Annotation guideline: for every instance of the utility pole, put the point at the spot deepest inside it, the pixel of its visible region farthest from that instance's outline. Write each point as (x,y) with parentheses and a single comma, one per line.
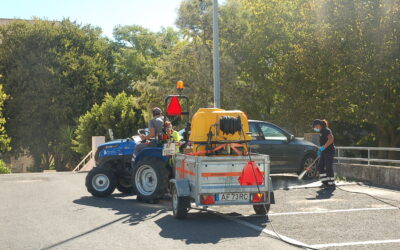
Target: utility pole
(217,81)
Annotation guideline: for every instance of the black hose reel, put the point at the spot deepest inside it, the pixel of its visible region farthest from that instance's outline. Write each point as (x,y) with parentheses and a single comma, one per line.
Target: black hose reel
(230,124)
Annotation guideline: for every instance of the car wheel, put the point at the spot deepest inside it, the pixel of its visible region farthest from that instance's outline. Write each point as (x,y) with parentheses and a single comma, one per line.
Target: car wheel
(307,163)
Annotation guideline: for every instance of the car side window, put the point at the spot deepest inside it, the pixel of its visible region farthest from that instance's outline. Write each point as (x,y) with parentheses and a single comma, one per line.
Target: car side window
(254,131)
(271,133)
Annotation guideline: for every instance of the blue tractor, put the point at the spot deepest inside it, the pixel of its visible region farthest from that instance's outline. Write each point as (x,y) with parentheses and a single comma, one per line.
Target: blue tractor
(113,168)
(147,174)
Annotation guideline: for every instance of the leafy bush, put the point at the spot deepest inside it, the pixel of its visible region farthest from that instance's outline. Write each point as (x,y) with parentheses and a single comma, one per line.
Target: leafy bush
(3,168)
(121,113)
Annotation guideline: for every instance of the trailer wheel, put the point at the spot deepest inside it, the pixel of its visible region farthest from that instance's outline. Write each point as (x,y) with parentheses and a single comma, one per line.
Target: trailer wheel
(261,209)
(180,205)
(101,181)
(150,179)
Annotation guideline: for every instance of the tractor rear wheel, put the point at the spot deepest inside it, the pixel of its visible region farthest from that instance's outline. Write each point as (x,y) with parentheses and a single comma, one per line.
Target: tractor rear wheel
(101,181)
(150,178)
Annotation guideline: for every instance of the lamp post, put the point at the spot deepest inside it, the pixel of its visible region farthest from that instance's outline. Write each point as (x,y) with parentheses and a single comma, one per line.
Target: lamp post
(216,71)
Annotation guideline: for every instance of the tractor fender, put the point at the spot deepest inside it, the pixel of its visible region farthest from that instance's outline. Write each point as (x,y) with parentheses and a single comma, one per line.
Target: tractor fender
(151,152)
(182,187)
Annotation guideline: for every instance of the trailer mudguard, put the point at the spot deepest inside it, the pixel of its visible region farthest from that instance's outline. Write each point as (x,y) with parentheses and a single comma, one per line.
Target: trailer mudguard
(182,187)
(272,198)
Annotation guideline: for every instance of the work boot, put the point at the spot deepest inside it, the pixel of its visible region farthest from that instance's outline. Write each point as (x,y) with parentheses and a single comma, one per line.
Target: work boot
(324,184)
(330,185)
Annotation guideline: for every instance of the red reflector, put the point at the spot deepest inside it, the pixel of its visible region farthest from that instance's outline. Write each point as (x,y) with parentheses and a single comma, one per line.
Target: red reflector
(258,198)
(251,175)
(174,107)
(207,199)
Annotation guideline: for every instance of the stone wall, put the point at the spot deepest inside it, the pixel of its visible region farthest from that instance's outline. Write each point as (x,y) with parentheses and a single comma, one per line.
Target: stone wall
(381,175)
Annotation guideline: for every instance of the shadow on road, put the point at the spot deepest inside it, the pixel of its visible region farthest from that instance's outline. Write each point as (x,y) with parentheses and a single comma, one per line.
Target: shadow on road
(202,228)
(133,214)
(198,228)
(323,194)
(136,211)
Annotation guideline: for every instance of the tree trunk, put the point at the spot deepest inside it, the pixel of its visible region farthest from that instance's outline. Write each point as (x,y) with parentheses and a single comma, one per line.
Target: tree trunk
(382,141)
(59,163)
(388,137)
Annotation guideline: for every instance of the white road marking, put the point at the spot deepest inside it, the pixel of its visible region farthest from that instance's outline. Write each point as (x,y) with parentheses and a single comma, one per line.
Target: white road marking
(334,211)
(319,212)
(355,243)
(260,229)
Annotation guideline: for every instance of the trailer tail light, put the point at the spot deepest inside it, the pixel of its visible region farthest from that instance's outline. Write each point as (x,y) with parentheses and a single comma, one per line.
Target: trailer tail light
(207,199)
(259,197)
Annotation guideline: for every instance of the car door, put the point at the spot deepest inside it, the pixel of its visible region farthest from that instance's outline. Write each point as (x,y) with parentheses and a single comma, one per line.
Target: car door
(257,139)
(275,144)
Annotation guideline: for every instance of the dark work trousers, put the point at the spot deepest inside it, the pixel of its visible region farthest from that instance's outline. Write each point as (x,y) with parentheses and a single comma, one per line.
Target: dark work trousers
(325,167)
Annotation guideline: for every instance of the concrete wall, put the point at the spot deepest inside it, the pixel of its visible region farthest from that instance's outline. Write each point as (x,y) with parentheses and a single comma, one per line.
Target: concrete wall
(375,174)
(96,141)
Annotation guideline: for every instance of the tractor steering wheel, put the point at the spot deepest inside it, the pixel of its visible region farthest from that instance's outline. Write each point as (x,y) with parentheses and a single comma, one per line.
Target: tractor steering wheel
(142,131)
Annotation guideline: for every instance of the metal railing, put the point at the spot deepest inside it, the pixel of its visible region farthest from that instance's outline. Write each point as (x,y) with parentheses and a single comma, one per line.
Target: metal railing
(83,162)
(340,155)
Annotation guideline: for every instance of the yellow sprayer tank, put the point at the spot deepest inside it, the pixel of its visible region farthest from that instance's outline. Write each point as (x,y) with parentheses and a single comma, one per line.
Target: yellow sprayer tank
(206,128)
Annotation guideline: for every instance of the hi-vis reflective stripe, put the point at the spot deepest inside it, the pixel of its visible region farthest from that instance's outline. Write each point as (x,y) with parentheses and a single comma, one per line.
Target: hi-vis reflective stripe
(322,175)
(184,171)
(222,174)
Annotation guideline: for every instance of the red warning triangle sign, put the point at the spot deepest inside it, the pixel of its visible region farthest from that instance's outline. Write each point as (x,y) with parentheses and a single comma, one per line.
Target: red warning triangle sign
(174,107)
(251,175)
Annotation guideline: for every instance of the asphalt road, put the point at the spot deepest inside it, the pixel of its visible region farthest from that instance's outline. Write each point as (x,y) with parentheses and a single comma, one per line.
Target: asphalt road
(54,211)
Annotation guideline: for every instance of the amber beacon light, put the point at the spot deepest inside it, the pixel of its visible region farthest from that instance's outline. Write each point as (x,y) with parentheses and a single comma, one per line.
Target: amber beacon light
(180,85)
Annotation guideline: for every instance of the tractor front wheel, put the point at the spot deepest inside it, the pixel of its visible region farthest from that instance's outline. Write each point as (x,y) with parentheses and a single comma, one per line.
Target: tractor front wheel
(101,181)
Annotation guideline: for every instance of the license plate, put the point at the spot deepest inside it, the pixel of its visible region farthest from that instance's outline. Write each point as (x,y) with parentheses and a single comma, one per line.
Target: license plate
(233,197)
(169,149)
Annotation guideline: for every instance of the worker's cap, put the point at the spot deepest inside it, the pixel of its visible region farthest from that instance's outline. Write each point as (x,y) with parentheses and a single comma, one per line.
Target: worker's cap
(317,122)
(156,111)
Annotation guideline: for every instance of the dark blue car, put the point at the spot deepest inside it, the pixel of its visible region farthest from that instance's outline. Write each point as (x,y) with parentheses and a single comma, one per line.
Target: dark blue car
(287,153)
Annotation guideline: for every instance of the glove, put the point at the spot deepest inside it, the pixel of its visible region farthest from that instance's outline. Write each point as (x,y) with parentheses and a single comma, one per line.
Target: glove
(322,148)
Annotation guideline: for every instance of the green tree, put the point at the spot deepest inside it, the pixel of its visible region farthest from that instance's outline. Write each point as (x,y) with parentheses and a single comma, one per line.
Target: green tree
(345,67)
(53,72)
(4,139)
(122,114)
